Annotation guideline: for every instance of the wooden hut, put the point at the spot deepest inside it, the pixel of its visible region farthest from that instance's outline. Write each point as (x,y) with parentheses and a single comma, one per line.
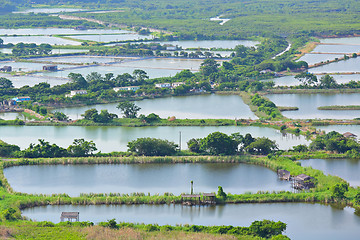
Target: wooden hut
(70,216)
(209,198)
(191,199)
(283,174)
(349,135)
(303,181)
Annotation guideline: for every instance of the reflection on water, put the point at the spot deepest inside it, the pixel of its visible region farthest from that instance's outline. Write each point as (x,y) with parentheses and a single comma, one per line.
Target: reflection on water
(326,222)
(146,178)
(347,169)
(110,139)
(308,104)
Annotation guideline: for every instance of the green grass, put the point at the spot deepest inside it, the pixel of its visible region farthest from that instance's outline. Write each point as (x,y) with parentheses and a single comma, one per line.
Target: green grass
(338,107)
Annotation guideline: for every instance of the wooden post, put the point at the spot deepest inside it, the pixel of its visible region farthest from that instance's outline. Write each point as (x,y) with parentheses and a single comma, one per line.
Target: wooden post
(192,187)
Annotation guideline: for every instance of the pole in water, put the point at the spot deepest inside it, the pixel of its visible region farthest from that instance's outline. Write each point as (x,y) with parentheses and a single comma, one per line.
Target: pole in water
(192,187)
(180,140)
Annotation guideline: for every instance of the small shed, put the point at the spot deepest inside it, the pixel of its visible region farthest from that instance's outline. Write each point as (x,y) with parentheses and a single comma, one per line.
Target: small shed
(349,135)
(70,216)
(209,198)
(191,199)
(6,69)
(283,174)
(303,181)
(52,68)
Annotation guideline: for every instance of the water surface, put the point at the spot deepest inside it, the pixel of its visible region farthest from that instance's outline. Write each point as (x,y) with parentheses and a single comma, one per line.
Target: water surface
(39,40)
(349,65)
(53,31)
(349,40)
(230,44)
(347,169)
(145,178)
(318,58)
(308,104)
(337,49)
(292,81)
(304,221)
(112,38)
(192,107)
(108,139)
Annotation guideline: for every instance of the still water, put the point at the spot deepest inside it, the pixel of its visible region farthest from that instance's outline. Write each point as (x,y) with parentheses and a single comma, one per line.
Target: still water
(292,81)
(347,169)
(350,40)
(304,221)
(192,107)
(230,44)
(111,38)
(108,139)
(38,40)
(146,178)
(337,49)
(349,65)
(318,58)
(54,31)
(308,104)
(355,129)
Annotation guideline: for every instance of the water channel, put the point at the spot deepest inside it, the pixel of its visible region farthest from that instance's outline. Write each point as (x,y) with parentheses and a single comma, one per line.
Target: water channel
(304,221)
(147,178)
(308,104)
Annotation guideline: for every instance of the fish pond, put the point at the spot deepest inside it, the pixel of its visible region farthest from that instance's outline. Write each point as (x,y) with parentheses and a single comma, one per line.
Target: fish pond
(347,169)
(308,104)
(193,107)
(146,178)
(304,221)
(108,139)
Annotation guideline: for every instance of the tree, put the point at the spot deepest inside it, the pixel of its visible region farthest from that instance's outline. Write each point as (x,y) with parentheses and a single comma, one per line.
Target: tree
(90,114)
(221,193)
(60,116)
(152,147)
(267,228)
(219,143)
(152,117)
(194,145)
(328,81)
(128,109)
(8,150)
(78,79)
(140,75)
(44,149)
(5,83)
(81,148)
(339,190)
(262,146)
(301,148)
(307,79)
(104,116)
(209,66)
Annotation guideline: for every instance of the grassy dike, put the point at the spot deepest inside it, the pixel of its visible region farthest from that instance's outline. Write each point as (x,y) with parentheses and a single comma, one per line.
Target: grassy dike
(24,229)
(339,107)
(319,194)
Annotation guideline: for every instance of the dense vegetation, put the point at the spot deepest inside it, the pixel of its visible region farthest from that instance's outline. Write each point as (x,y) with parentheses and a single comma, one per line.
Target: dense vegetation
(261,17)
(218,143)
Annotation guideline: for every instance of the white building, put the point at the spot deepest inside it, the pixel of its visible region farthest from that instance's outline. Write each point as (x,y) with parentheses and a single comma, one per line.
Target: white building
(176,84)
(163,85)
(129,88)
(76,92)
